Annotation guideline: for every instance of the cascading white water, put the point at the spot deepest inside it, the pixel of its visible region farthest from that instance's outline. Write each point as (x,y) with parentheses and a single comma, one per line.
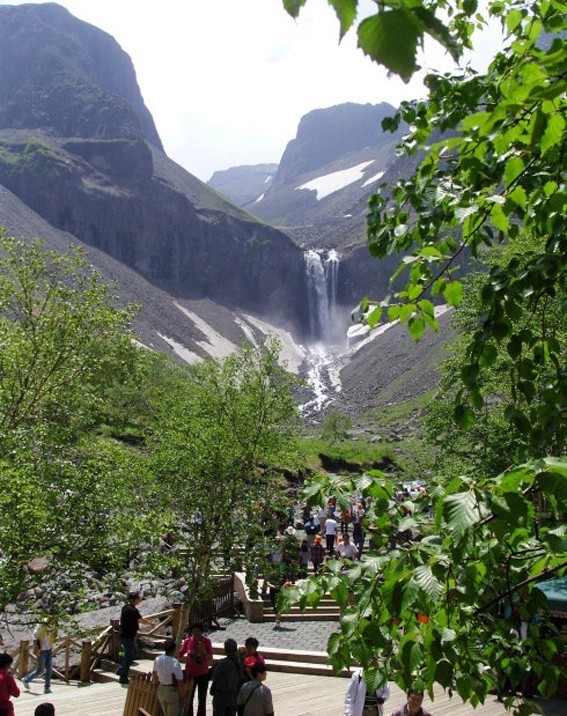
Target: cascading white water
(332,278)
(322,278)
(319,319)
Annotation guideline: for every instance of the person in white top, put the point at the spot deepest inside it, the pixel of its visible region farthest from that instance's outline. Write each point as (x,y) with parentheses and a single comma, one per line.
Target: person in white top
(169,674)
(330,534)
(346,549)
(358,702)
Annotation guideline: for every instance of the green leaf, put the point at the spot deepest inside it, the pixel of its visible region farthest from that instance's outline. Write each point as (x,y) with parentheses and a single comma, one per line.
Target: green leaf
(293,6)
(438,31)
(554,132)
(460,511)
(346,12)
(514,167)
(390,38)
(464,416)
(427,581)
(416,326)
(453,293)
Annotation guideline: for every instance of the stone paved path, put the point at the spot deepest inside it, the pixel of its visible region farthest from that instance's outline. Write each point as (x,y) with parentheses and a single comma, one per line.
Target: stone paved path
(312,636)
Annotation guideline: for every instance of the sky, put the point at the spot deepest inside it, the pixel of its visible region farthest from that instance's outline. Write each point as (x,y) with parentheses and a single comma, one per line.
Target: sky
(227,81)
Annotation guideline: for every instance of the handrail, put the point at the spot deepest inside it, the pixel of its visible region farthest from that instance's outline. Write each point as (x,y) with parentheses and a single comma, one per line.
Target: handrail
(106,643)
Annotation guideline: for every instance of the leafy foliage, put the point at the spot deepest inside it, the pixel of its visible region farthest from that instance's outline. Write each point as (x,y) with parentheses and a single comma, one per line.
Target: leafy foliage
(217,444)
(436,607)
(62,344)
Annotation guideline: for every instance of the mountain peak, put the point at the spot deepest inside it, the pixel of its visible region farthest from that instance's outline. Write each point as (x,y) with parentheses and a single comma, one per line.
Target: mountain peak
(46,52)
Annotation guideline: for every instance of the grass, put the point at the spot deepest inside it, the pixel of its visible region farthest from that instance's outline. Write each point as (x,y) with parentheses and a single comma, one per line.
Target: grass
(356,452)
(396,415)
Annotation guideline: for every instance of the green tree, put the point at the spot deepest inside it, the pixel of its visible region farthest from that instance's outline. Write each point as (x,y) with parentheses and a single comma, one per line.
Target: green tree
(335,427)
(216,450)
(493,172)
(62,343)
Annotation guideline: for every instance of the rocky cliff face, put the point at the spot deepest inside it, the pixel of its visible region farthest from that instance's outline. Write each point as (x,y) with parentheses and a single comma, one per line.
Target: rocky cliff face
(78,146)
(319,194)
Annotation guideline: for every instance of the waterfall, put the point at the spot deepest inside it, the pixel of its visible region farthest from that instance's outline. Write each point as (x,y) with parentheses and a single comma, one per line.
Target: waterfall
(332,277)
(322,293)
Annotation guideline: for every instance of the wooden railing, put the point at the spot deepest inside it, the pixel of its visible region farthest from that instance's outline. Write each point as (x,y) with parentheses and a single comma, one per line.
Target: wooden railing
(142,696)
(107,644)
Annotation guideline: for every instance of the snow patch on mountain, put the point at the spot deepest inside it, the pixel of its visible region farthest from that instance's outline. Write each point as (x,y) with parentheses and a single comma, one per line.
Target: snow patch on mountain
(329,183)
(374,178)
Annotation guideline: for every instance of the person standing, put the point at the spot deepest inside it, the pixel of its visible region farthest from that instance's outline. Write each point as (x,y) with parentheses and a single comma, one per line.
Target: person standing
(44,636)
(251,656)
(303,558)
(413,707)
(254,696)
(358,701)
(8,686)
(317,552)
(130,619)
(346,549)
(331,534)
(197,653)
(169,674)
(226,680)
(358,535)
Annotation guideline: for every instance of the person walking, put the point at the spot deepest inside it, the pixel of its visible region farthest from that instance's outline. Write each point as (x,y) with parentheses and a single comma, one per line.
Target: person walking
(8,686)
(226,679)
(317,552)
(130,619)
(169,674)
(358,702)
(197,653)
(413,706)
(255,698)
(331,534)
(44,636)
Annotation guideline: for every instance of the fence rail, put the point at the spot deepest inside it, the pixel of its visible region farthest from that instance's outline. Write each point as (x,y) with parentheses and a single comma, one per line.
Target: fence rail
(107,644)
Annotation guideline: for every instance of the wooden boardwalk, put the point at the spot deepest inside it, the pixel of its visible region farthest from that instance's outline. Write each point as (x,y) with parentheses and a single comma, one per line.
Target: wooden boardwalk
(294,695)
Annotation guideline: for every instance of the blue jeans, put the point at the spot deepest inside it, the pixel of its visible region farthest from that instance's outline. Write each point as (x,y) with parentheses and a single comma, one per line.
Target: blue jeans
(129,646)
(44,664)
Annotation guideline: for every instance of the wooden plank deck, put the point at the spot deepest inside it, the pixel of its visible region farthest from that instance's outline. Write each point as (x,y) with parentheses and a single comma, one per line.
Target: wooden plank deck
(294,695)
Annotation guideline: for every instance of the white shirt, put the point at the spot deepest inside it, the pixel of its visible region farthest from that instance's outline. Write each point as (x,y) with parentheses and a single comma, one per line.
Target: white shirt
(331,526)
(166,667)
(347,550)
(356,693)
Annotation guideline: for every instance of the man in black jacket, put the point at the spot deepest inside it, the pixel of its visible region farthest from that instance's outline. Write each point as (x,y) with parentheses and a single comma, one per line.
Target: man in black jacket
(226,679)
(130,619)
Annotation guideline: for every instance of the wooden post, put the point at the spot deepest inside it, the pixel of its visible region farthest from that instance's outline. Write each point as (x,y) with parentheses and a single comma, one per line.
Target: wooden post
(114,640)
(176,619)
(67,644)
(85,673)
(23,659)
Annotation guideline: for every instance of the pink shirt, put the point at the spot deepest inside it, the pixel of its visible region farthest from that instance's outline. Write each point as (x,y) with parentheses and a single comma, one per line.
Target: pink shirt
(198,655)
